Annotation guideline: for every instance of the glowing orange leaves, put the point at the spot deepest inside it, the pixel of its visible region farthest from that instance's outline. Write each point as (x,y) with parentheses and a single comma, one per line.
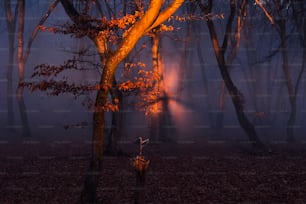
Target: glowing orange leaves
(140,163)
(50,29)
(125,21)
(116,100)
(107,107)
(129,65)
(166,28)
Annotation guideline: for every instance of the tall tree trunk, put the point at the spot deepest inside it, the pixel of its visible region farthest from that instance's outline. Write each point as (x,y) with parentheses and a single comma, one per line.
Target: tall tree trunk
(26,132)
(155,115)
(21,64)
(158,118)
(302,70)
(20,61)
(221,104)
(93,174)
(140,187)
(10,67)
(141,167)
(116,127)
(289,84)
(37,28)
(11,27)
(235,94)
(232,54)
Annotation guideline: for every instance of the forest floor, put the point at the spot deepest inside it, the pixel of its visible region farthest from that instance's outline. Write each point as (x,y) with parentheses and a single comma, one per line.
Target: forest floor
(52,171)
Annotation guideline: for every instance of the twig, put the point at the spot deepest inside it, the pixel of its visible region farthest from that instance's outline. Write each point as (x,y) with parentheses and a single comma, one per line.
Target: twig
(258,2)
(34,33)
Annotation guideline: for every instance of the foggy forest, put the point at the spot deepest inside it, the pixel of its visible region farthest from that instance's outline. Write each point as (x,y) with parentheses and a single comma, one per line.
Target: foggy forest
(164,101)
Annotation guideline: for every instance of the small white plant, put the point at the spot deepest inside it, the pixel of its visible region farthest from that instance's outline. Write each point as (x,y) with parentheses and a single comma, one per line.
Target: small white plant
(142,143)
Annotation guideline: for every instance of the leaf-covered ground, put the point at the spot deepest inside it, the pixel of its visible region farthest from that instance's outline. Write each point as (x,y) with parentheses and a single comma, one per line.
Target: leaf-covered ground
(33,171)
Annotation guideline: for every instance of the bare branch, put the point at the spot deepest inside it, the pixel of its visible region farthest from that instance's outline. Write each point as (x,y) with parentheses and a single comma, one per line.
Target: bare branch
(229,26)
(71,11)
(271,19)
(34,33)
(11,21)
(166,13)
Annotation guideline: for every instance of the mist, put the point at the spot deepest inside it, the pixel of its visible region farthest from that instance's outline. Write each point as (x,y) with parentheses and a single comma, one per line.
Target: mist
(195,105)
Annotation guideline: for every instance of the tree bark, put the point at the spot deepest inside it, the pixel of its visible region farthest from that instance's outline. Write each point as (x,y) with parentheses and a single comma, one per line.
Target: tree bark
(26,130)
(158,118)
(35,31)
(157,89)
(20,61)
(117,117)
(302,70)
(11,27)
(145,24)
(140,187)
(141,167)
(21,65)
(235,94)
(221,104)
(289,84)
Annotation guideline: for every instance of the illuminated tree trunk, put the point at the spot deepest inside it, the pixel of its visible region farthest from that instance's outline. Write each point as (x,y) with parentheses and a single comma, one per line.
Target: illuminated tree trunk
(21,64)
(11,24)
(156,108)
(37,28)
(158,118)
(152,18)
(235,94)
(20,61)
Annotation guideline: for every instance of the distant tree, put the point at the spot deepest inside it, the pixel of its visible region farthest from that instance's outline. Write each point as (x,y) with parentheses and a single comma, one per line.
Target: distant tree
(11,19)
(282,15)
(15,20)
(236,95)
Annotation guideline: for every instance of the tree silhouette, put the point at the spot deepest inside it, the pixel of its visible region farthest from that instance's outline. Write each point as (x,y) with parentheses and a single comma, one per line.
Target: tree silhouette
(236,96)
(152,17)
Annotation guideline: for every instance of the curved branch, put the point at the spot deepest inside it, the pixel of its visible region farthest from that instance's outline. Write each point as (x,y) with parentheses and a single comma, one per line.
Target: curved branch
(34,33)
(270,18)
(229,26)
(136,31)
(164,15)
(72,12)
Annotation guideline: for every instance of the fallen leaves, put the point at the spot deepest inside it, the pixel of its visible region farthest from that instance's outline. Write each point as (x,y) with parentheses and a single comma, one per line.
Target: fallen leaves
(177,174)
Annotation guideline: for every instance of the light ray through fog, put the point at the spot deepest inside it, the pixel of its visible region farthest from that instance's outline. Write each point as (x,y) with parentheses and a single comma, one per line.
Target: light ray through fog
(182,116)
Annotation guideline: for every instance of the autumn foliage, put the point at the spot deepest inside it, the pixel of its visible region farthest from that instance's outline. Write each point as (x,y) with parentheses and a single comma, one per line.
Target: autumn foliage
(55,79)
